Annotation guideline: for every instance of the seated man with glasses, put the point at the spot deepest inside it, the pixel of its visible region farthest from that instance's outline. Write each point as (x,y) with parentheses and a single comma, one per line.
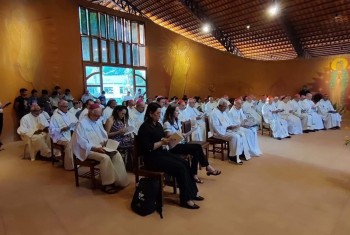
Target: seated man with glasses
(61,125)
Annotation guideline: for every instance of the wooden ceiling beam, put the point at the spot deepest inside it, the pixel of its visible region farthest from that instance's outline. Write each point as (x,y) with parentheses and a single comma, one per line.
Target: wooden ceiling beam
(220,35)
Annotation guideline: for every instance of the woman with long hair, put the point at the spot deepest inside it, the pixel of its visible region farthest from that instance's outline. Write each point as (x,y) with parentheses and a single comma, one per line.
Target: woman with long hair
(116,126)
(173,125)
(151,140)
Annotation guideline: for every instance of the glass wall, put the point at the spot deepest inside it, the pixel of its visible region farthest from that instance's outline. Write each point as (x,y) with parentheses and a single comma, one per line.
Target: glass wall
(113,54)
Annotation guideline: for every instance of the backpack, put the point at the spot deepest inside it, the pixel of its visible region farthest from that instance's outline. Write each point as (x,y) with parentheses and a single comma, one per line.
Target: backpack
(147,197)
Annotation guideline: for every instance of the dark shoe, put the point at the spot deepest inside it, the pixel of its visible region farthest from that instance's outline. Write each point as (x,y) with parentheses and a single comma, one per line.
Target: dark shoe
(289,137)
(110,189)
(306,131)
(216,172)
(198,181)
(185,205)
(278,138)
(198,198)
(242,156)
(234,160)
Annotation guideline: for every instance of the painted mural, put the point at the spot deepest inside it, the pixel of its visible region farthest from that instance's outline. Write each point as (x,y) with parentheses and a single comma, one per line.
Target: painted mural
(334,80)
(176,63)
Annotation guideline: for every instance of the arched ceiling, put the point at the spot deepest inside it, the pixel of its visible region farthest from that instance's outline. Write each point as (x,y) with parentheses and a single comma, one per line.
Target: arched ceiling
(304,28)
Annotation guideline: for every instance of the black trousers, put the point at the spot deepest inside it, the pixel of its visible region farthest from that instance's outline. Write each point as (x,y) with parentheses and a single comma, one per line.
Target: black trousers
(177,167)
(197,155)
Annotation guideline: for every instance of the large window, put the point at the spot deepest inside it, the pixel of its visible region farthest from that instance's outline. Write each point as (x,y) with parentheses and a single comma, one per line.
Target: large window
(113,54)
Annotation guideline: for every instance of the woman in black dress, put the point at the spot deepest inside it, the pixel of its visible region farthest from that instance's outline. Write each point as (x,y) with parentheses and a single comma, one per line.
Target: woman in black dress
(151,141)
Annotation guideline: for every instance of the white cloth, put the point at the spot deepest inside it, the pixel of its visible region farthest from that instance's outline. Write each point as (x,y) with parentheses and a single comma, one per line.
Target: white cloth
(306,120)
(38,142)
(209,107)
(237,117)
(259,106)
(325,109)
(58,121)
(294,123)
(136,119)
(162,114)
(309,107)
(107,112)
(84,98)
(90,134)
(83,114)
(249,109)
(74,110)
(278,126)
(192,114)
(219,121)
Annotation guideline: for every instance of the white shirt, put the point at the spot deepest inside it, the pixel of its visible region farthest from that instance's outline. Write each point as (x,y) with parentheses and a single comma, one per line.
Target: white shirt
(107,112)
(136,119)
(219,121)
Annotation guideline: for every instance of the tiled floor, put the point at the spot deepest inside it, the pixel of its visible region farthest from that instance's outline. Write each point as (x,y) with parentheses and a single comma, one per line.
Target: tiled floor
(299,186)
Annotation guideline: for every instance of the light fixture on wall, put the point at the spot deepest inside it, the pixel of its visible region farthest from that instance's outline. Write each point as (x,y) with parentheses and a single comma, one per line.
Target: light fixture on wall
(274,9)
(248,27)
(206,28)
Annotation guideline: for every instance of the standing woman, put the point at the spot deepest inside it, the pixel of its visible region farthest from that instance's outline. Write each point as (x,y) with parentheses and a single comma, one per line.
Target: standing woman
(172,125)
(116,126)
(151,140)
(1,121)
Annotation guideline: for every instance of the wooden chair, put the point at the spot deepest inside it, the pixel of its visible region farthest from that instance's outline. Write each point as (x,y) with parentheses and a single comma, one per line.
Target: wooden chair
(141,170)
(265,127)
(57,158)
(90,174)
(186,127)
(223,144)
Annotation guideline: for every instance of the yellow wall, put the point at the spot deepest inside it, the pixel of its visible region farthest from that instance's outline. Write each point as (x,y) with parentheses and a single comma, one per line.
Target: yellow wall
(41,48)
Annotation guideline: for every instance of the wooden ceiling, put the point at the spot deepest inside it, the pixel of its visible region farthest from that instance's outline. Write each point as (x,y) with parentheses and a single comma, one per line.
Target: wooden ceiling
(303,28)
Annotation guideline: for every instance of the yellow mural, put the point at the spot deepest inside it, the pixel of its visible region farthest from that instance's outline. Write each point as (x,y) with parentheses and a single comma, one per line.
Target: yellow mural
(177,65)
(339,79)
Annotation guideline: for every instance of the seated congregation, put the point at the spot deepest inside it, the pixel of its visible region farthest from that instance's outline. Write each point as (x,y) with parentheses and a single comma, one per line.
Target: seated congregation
(217,125)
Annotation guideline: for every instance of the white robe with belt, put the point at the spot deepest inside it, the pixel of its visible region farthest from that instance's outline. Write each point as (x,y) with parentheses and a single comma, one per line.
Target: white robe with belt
(90,134)
(219,121)
(38,142)
(192,114)
(278,126)
(325,109)
(309,107)
(306,121)
(58,121)
(249,109)
(237,117)
(294,123)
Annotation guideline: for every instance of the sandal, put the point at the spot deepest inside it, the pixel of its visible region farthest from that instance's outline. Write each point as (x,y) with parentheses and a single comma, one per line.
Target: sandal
(110,189)
(216,172)
(198,181)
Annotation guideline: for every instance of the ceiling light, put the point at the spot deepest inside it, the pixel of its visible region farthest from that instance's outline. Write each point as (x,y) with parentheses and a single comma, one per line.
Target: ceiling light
(248,26)
(274,9)
(206,28)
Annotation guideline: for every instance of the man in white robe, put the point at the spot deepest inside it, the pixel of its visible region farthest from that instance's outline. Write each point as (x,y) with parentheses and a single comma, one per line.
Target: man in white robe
(210,106)
(182,111)
(161,101)
(88,141)
(61,125)
(259,105)
(33,130)
(76,107)
(197,120)
(107,112)
(306,121)
(286,112)
(245,125)
(278,126)
(85,111)
(223,128)
(331,118)
(309,107)
(137,117)
(248,108)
